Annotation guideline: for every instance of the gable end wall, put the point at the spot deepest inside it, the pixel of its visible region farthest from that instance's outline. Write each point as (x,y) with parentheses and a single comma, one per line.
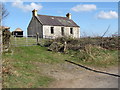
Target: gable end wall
(35,27)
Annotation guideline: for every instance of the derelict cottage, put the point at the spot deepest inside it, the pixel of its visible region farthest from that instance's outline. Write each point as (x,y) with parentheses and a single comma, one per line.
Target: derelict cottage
(52,26)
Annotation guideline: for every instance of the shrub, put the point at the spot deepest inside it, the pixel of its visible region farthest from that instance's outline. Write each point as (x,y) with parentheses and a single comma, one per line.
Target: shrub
(96,55)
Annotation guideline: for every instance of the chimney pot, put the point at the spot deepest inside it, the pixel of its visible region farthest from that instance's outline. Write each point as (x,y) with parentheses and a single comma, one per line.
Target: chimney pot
(34,12)
(68,15)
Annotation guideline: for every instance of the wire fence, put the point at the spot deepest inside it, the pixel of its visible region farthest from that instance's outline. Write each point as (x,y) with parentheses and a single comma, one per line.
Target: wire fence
(23,40)
(29,40)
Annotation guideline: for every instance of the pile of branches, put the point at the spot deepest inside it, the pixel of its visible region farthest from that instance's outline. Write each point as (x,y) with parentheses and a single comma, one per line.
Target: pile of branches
(63,43)
(110,43)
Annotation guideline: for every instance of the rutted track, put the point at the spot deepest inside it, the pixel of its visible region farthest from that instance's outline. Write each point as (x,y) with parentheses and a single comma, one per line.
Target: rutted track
(68,75)
(97,71)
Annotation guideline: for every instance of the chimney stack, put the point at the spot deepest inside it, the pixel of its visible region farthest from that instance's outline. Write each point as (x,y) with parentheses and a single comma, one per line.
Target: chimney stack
(34,12)
(68,15)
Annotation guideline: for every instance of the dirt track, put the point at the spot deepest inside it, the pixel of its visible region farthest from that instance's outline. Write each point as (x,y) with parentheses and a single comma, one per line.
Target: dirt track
(71,76)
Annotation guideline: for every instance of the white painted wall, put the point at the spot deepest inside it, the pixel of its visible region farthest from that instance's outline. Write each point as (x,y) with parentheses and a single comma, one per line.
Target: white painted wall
(57,31)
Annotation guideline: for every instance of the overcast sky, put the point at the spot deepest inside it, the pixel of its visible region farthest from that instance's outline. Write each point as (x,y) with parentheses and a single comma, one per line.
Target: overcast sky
(93,17)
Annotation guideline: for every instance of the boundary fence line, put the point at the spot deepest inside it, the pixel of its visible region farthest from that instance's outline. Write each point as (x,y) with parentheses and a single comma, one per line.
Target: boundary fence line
(23,40)
(1,50)
(29,40)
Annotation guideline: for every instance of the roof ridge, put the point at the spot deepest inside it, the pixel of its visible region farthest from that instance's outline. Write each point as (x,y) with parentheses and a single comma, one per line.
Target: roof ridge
(51,16)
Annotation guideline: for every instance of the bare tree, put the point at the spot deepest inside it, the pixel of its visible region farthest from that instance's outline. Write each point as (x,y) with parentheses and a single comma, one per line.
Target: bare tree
(3,12)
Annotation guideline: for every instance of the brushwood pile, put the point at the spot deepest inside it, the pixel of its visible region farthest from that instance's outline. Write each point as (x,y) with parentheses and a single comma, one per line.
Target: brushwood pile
(58,44)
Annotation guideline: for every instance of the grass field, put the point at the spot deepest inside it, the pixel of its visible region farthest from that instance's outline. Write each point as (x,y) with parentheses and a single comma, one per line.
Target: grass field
(21,70)
(22,64)
(23,41)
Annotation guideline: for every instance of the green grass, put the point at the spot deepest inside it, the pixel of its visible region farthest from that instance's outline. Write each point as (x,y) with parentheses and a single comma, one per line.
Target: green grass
(20,41)
(36,53)
(24,72)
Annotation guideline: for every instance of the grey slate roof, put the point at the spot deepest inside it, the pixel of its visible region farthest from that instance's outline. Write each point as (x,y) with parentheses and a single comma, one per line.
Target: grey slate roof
(56,21)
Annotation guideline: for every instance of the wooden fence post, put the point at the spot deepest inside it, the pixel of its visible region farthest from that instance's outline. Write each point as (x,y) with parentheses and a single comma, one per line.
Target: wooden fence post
(26,41)
(65,46)
(37,36)
(1,50)
(15,41)
(1,43)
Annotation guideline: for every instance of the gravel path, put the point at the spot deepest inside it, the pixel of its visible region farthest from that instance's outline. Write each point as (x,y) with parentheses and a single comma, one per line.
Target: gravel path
(71,76)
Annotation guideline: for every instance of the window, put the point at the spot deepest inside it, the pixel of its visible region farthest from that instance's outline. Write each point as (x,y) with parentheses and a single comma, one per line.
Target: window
(62,31)
(52,30)
(71,30)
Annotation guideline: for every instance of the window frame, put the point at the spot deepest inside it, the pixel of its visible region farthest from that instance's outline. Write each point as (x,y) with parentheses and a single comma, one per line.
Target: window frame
(52,30)
(62,31)
(71,30)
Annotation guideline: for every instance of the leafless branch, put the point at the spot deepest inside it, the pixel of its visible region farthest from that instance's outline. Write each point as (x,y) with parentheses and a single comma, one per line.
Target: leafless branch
(3,12)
